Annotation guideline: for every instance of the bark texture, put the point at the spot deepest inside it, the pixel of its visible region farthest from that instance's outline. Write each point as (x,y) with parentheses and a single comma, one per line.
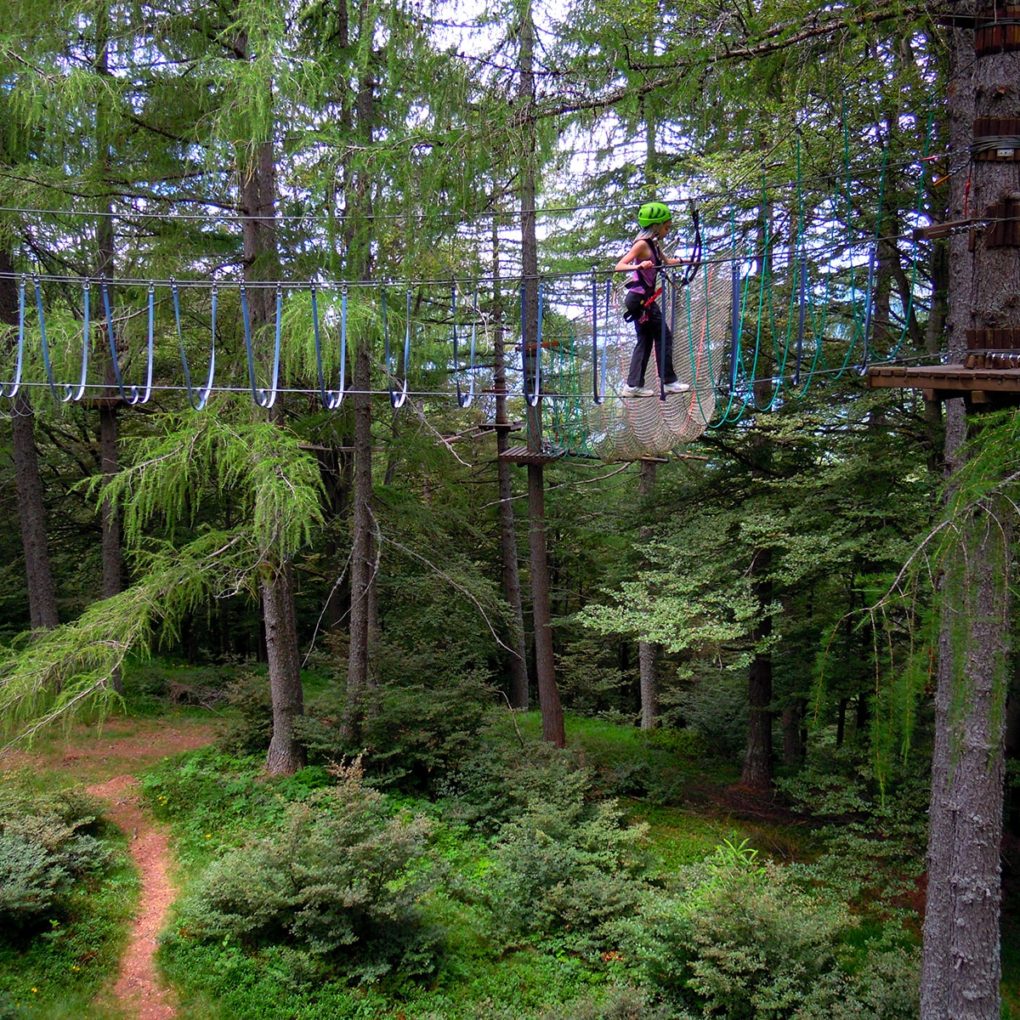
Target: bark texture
(261,262)
(545,668)
(757,770)
(285,753)
(961,954)
(510,573)
(42,596)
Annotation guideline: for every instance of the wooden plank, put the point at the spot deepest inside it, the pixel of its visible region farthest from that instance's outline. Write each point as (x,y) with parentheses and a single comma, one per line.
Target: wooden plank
(945,379)
(939,230)
(522,455)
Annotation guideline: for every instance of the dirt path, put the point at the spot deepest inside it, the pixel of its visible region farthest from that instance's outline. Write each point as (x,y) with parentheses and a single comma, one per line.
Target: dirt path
(109,762)
(138,990)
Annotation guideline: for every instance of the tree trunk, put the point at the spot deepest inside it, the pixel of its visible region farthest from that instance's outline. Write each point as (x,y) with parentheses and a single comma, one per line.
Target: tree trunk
(261,262)
(757,771)
(545,669)
(361,553)
(286,755)
(112,553)
(648,651)
(510,574)
(961,953)
(42,596)
(358,237)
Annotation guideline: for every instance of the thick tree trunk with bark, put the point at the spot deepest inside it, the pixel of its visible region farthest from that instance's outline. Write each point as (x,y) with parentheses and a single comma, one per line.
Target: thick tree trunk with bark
(111,550)
(261,262)
(362,562)
(757,771)
(510,574)
(285,752)
(545,667)
(961,955)
(361,553)
(42,596)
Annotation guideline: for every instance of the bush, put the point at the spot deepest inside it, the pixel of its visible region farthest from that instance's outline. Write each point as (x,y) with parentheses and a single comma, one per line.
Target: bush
(499,777)
(252,728)
(874,845)
(564,865)
(742,941)
(46,845)
(414,734)
(620,1004)
(334,888)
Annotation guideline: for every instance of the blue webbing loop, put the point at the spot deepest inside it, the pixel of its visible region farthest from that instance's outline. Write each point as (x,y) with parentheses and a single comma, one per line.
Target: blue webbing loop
(456,356)
(596,395)
(11,389)
(150,345)
(72,392)
(42,338)
(264,398)
(134,397)
(343,342)
(399,399)
(203,394)
(386,340)
(466,399)
(330,399)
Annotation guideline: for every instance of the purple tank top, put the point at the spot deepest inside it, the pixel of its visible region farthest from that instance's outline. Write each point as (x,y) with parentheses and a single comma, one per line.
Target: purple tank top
(643,280)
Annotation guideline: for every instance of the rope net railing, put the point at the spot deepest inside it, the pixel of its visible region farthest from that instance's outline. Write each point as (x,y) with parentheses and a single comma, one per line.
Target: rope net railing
(779,302)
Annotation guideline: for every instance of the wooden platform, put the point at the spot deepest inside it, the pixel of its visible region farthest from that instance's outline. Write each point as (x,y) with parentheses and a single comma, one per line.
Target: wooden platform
(522,455)
(998,386)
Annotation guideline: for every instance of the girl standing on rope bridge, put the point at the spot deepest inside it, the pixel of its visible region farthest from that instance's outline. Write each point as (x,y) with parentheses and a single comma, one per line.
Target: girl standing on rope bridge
(643,262)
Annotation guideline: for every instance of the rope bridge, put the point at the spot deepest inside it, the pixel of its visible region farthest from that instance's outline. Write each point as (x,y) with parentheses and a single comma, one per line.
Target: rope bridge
(781,311)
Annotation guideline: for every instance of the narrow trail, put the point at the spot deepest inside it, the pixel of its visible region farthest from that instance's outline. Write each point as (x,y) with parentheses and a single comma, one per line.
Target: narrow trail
(108,764)
(138,989)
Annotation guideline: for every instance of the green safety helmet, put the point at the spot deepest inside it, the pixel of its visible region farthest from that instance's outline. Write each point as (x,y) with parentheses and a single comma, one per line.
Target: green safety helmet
(651,214)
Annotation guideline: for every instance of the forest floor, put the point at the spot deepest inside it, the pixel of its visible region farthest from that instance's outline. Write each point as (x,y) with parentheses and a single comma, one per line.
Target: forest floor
(107,762)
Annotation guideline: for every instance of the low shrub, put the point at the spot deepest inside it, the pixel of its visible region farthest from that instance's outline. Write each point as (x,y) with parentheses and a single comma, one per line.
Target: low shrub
(414,735)
(251,728)
(742,941)
(565,865)
(874,843)
(47,843)
(500,776)
(334,887)
(622,1003)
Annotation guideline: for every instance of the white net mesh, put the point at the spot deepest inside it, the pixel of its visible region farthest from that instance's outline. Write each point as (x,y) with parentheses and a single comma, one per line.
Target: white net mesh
(635,427)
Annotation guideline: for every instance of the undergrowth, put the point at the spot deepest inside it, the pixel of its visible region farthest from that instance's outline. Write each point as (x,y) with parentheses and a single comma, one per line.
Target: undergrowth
(67,904)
